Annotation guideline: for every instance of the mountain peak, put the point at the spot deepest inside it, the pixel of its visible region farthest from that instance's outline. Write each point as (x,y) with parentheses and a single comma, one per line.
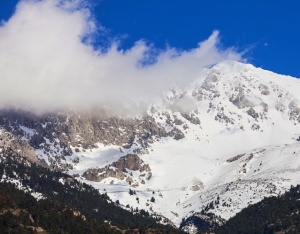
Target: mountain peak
(231,133)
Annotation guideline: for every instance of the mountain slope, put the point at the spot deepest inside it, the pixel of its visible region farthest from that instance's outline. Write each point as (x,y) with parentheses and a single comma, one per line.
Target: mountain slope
(63,192)
(228,139)
(271,215)
(22,213)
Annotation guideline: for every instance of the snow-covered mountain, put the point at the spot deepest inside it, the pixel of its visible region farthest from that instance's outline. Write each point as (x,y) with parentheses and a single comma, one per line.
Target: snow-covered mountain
(227,140)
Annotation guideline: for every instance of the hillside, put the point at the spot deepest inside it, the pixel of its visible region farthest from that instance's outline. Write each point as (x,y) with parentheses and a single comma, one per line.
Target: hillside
(34,196)
(271,215)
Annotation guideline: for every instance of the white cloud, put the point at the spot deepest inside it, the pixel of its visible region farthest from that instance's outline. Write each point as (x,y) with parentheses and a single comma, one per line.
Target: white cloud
(45,65)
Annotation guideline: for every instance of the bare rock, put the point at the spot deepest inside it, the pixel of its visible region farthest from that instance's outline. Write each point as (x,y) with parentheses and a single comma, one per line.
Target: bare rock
(119,169)
(294,111)
(191,117)
(129,180)
(264,90)
(98,175)
(131,162)
(255,127)
(234,158)
(176,134)
(8,140)
(252,113)
(221,117)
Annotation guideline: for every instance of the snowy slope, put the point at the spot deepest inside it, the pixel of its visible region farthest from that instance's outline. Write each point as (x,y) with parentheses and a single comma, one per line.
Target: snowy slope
(243,111)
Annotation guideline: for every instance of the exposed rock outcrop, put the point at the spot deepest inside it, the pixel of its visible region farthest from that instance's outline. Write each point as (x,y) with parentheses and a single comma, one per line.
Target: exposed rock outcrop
(176,134)
(8,140)
(53,135)
(252,113)
(191,117)
(264,89)
(120,170)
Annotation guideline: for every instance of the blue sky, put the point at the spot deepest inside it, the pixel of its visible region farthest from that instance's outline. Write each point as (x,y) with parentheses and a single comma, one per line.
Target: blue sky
(81,53)
(269,30)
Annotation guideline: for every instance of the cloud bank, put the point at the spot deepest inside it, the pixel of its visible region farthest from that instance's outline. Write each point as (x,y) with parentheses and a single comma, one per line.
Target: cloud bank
(47,61)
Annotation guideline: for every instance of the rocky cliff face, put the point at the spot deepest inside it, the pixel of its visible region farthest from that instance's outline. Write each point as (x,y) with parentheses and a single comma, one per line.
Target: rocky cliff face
(54,135)
(121,169)
(10,141)
(77,129)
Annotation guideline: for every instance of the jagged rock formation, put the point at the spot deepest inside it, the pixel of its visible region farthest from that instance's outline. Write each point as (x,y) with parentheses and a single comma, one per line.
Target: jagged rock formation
(79,129)
(53,135)
(121,170)
(8,140)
